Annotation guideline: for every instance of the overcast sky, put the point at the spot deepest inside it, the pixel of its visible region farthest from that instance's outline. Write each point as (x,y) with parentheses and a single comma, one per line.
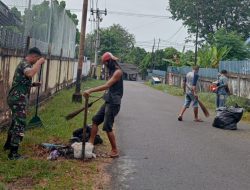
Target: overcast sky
(145,28)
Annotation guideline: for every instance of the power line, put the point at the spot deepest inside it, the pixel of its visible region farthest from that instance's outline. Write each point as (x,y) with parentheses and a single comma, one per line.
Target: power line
(176,32)
(165,45)
(146,24)
(139,14)
(121,13)
(164,42)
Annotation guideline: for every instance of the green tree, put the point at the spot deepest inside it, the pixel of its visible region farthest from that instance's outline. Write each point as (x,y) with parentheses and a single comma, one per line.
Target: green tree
(16,12)
(40,21)
(170,53)
(113,39)
(89,46)
(117,40)
(161,59)
(146,63)
(159,64)
(171,57)
(74,18)
(135,56)
(238,49)
(187,58)
(15,28)
(232,15)
(210,56)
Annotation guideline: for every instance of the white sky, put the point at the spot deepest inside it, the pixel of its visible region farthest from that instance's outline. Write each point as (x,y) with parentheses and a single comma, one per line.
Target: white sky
(145,29)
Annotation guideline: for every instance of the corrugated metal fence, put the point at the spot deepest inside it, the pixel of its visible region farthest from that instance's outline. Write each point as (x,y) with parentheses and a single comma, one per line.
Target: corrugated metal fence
(239,67)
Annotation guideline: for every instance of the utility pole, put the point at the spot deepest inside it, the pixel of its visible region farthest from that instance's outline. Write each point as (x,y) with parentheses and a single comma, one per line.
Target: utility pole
(91,40)
(97,42)
(28,21)
(196,37)
(77,96)
(152,56)
(27,28)
(98,13)
(156,56)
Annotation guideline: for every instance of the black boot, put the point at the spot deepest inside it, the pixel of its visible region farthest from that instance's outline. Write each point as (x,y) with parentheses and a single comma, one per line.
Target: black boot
(7,143)
(13,155)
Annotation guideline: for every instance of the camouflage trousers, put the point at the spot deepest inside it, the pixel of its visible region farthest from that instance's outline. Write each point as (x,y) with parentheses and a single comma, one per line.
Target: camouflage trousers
(18,123)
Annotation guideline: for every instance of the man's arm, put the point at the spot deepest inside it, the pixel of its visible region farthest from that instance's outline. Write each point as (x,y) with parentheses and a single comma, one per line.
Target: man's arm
(195,80)
(36,67)
(223,83)
(116,77)
(184,85)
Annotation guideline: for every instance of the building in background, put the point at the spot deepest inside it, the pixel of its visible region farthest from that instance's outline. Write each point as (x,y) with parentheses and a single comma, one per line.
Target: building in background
(130,71)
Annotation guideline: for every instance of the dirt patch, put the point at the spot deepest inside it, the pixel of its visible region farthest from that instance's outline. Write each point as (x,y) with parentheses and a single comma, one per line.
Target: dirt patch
(102,180)
(26,182)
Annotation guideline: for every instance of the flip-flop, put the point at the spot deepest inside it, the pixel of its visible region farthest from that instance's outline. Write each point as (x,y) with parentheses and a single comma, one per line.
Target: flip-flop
(179,118)
(116,155)
(198,120)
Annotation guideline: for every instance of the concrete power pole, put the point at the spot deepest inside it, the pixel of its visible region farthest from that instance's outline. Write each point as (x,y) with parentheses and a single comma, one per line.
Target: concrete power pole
(156,56)
(98,13)
(152,56)
(97,40)
(77,96)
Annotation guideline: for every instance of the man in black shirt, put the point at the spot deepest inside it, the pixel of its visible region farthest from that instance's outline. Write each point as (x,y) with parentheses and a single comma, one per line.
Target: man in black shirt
(112,97)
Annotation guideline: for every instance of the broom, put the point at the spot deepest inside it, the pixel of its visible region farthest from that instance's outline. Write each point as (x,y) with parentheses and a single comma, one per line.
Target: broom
(75,113)
(202,106)
(36,121)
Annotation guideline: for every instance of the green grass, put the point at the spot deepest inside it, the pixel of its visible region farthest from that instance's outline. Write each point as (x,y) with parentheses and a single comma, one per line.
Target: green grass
(208,99)
(38,173)
(168,89)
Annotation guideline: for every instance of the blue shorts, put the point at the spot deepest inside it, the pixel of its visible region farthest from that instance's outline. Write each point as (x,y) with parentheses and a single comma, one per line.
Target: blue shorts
(190,98)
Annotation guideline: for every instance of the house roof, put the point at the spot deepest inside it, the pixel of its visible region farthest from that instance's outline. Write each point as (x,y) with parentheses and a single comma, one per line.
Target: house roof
(129,68)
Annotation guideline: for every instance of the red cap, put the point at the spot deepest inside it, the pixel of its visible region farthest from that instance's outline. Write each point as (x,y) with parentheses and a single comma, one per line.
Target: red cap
(107,56)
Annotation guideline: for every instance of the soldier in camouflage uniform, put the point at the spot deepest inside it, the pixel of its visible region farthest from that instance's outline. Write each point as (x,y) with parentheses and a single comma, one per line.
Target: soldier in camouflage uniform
(18,97)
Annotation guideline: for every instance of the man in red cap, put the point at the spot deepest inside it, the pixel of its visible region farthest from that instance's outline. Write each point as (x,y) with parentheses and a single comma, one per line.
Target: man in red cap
(112,97)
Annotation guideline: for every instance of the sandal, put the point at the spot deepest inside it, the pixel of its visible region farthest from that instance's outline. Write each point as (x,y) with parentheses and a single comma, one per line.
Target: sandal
(114,154)
(180,118)
(198,120)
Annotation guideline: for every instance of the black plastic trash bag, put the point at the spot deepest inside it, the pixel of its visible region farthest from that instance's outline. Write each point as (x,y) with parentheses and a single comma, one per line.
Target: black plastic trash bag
(227,117)
(77,136)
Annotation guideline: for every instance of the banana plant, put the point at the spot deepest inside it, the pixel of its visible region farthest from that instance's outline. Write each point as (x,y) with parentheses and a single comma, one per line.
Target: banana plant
(218,55)
(211,56)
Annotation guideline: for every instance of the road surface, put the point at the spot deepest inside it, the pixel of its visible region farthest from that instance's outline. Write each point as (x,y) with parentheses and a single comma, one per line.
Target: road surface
(157,152)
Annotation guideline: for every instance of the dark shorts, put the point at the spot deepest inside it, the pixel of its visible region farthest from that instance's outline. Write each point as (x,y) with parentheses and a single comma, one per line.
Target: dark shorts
(106,114)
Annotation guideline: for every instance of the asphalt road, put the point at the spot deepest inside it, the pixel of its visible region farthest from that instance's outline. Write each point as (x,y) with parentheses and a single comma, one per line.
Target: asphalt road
(157,152)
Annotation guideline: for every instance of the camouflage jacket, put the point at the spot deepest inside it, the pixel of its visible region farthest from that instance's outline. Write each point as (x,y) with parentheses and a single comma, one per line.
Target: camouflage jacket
(21,84)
